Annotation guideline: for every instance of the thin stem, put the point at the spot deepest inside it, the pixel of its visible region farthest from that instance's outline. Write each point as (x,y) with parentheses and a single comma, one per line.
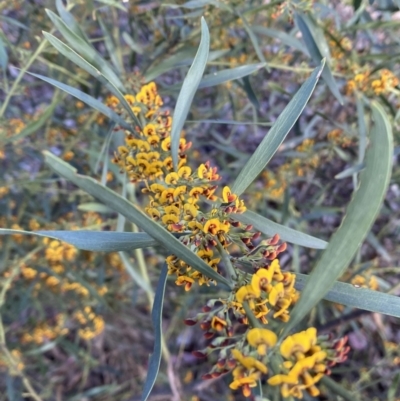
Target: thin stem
(143,270)
(21,74)
(232,274)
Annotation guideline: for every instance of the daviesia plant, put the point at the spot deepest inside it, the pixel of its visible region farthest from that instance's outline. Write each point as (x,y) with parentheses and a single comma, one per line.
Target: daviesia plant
(243,327)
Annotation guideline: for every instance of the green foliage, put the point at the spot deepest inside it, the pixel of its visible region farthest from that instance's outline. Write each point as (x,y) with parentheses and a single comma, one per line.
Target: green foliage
(312,161)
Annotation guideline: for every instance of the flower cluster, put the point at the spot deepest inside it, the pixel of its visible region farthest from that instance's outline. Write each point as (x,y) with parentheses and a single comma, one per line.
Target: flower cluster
(306,361)
(244,326)
(378,83)
(44,331)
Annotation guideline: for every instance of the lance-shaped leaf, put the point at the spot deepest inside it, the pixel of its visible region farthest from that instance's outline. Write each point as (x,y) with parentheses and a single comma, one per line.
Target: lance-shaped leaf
(97,241)
(271,228)
(276,134)
(69,20)
(285,38)
(133,214)
(230,74)
(188,90)
(113,3)
(82,47)
(3,56)
(349,171)
(357,297)
(310,39)
(156,317)
(361,213)
(85,65)
(85,98)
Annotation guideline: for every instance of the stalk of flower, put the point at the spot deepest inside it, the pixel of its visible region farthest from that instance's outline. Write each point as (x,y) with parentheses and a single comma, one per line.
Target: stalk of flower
(242,327)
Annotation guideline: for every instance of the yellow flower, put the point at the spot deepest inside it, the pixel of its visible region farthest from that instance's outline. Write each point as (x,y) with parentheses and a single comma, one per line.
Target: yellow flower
(212,226)
(170,219)
(298,344)
(265,277)
(299,377)
(261,339)
(153,140)
(186,281)
(185,172)
(244,381)
(201,171)
(149,130)
(227,195)
(166,144)
(218,324)
(248,293)
(195,226)
(157,189)
(190,211)
(249,362)
(277,298)
(153,213)
(130,99)
(167,196)
(179,191)
(172,178)
(196,192)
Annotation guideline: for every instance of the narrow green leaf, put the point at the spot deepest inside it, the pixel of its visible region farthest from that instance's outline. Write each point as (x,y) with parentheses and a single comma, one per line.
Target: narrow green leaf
(113,3)
(94,207)
(230,74)
(180,59)
(230,122)
(248,88)
(13,22)
(350,171)
(287,234)
(276,134)
(85,65)
(132,44)
(316,54)
(356,297)
(83,48)
(361,214)
(110,46)
(285,38)
(3,56)
(133,214)
(97,241)
(253,38)
(188,90)
(156,317)
(70,21)
(394,387)
(85,98)
(193,4)
(362,129)
(33,126)
(339,390)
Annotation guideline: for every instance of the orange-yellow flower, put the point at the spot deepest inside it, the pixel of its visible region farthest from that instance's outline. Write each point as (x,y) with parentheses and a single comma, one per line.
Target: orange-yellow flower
(186,281)
(218,324)
(212,226)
